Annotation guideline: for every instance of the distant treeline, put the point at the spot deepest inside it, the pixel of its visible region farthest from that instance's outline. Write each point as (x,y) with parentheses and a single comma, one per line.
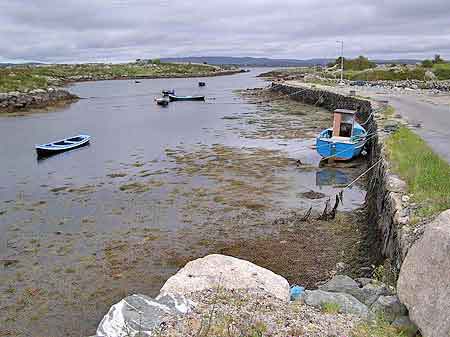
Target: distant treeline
(359,63)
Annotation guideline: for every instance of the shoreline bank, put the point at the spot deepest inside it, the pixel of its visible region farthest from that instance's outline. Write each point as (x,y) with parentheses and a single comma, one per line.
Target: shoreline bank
(22,101)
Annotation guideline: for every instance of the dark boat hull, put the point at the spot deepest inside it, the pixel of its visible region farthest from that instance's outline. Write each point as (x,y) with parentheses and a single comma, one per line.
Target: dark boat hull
(47,153)
(186,98)
(162,102)
(50,149)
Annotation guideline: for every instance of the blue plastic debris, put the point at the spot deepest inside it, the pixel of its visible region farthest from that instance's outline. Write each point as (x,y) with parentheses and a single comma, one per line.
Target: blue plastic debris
(296,292)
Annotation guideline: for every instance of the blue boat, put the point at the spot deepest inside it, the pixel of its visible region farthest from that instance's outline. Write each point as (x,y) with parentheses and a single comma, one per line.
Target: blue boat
(345,140)
(62,145)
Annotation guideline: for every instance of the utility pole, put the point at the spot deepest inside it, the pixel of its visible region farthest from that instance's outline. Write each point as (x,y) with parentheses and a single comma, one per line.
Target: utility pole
(342,60)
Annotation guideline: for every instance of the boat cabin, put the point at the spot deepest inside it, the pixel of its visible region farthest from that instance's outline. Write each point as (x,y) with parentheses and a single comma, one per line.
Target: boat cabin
(343,122)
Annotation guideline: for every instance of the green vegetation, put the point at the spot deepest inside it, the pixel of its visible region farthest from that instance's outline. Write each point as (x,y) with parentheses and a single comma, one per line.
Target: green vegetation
(359,63)
(330,307)
(378,328)
(426,174)
(391,74)
(389,111)
(21,78)
(442,71)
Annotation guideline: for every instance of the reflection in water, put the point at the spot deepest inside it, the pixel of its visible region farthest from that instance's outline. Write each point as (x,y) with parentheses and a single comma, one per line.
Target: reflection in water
(331,177)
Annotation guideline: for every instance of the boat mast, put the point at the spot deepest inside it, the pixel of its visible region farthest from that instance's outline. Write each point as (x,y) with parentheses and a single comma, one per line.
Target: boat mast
(342,60)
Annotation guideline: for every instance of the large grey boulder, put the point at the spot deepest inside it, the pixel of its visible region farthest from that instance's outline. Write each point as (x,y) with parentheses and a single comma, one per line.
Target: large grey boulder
(140,315)
(227,272)
(389,307)
(347,303)
(424,280)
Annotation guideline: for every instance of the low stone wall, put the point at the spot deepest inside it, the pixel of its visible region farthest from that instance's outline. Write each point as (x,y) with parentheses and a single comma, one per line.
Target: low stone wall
(38,98)
(388,208)
(326,99)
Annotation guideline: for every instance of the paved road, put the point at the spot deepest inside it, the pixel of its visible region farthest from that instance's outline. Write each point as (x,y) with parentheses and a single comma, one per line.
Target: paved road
(433,118)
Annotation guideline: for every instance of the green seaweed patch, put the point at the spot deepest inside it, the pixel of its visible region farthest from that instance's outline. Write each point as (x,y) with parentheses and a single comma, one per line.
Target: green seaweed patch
(59,189)
(134,187)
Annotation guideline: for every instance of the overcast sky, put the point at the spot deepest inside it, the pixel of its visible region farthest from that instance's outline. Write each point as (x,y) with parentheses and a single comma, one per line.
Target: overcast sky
(121,30)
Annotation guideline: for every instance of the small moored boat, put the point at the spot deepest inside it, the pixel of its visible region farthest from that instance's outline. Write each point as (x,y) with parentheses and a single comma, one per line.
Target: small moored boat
(166,93)
(345,140)
(162,101)
(62,145)
(201,84)
(186,98)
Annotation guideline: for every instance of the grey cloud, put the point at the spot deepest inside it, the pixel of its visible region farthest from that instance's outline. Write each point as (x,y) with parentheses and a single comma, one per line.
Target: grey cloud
(117,30)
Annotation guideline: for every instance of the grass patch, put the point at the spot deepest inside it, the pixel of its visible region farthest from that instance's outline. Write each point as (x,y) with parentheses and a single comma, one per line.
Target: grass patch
(379,328)
(395,74)
(442,71)
(22,78)
(426,174)
(330,307)
(389,111)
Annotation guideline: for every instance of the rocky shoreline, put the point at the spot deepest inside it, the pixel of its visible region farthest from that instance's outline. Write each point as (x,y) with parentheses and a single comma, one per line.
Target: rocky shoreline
(38,98)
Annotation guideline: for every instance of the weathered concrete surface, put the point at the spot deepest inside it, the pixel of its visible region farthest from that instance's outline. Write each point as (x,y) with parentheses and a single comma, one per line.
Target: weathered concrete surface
(424,281)
(227,272)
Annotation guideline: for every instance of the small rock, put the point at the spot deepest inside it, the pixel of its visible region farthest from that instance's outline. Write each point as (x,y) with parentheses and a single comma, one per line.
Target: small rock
(389,307)
(347,303)
(9,263)
(340,283)
(371,292)
(394,184)
(403,323)
(362,281)
(341,267)
(313,195)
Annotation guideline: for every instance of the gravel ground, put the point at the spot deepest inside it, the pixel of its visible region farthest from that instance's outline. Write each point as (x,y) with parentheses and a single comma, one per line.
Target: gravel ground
(229,313)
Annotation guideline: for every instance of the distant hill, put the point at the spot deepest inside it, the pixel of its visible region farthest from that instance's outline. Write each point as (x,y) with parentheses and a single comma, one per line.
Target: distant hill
(3,65)
(268,62)
(249,61)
